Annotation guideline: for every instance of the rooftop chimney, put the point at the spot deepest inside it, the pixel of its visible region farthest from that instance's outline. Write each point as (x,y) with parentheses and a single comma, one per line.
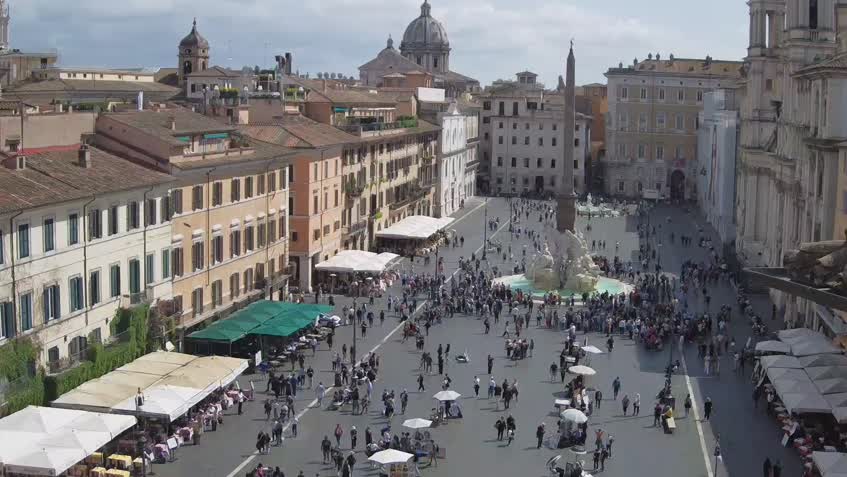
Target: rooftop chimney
(15,163)
(84,156)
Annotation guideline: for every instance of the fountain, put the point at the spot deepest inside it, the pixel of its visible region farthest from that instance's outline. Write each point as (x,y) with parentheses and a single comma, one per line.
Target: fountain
(567,271)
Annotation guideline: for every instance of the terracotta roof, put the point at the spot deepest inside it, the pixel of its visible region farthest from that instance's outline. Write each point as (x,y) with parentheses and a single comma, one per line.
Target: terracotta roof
(349,96)
(298,132)
(158,123)
(452,76)
(55,176)
(255,153)
(391,59)
(215,72)
(683,67)
(88,85)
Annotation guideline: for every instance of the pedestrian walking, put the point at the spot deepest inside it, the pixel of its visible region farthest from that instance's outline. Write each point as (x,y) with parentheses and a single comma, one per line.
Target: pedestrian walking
(707,408)
(354,436)
(616,387)
(687,404)
(598,398)
(625,403)
(636,404)
(766,467)
(420,383)
(476,386)
(510,436)
(539,435)
(338,433)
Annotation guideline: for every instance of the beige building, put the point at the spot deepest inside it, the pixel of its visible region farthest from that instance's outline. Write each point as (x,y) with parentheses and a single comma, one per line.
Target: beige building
(652,122)
(230,204)
(78,240)
(522,138)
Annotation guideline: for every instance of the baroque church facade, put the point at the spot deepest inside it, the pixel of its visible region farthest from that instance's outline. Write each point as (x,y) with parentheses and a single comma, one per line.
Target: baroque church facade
(425,48)
(792,177)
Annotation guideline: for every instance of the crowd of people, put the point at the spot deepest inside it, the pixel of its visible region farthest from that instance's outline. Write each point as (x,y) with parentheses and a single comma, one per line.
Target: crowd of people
(664,309)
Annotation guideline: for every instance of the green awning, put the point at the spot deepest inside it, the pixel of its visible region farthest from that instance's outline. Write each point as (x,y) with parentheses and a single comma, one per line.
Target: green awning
(216,136)
(273,318)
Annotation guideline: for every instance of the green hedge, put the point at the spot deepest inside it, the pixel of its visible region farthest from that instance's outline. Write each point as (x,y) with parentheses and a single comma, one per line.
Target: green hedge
(32,393)
(131,326)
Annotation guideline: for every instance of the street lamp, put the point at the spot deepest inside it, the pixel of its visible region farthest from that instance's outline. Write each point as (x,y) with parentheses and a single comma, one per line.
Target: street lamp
(353,348)
(485,231)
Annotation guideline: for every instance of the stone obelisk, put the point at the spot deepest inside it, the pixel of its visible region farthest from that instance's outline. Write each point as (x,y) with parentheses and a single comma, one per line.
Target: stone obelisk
(566,214)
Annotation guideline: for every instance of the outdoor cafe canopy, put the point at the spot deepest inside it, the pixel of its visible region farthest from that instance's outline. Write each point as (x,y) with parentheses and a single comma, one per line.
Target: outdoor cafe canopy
(259,318)
(415,227)
(48,441)
(351,261)
(168,391)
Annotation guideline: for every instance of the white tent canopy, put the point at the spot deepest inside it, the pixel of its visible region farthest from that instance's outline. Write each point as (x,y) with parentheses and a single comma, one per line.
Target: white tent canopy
(787,374)
(415,227)
(795,334)
(805,402)
(186,381)
(815,361)
(780,362)
(773,346)
(350,261)
(827,372)
(830,464)
(814,345)
(831,386)
(49,441)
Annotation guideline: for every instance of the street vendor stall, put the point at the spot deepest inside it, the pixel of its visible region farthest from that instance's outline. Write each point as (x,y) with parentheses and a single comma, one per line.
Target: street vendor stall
(412,234)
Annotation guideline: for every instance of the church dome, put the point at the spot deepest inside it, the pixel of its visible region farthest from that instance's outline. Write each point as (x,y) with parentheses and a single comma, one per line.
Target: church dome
(425,30)
(194,39)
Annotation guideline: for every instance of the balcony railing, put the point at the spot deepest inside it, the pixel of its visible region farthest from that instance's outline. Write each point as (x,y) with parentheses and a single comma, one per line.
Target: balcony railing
(356,228)
(354,190)
(354,126)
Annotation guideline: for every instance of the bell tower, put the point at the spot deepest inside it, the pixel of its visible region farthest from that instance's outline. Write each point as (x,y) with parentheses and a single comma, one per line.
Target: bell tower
(193,54)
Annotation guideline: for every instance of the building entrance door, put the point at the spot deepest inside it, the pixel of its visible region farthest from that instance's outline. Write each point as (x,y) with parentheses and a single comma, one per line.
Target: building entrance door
(539,184)
(678,185)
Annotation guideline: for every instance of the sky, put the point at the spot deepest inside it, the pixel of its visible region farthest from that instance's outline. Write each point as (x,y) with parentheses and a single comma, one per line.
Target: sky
(490,39)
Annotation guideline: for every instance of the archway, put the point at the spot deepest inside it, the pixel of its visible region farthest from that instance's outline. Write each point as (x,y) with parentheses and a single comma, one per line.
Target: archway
(677,185)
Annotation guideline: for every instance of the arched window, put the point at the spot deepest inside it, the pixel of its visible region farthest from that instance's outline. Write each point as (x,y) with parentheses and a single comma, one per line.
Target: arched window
(187,52)
(186,68)
(203,66)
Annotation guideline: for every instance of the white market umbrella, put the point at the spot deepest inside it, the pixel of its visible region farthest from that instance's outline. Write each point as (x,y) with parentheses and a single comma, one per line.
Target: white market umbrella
(390,456)
(448,395)
(583,370)
(592,349)
(574,415)
(417,423)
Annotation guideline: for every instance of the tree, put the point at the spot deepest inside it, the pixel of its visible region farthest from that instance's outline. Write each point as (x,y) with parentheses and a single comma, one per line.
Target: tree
(320,75)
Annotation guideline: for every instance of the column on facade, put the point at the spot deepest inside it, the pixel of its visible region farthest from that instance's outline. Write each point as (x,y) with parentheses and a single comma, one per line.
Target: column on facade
(750,206)
(306,274)
(830,197)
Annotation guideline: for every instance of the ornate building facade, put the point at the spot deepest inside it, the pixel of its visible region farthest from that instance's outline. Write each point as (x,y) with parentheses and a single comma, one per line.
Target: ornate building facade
(793,157)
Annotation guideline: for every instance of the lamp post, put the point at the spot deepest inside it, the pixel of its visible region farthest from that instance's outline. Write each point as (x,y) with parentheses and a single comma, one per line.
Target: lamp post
(485,231)
(353,348)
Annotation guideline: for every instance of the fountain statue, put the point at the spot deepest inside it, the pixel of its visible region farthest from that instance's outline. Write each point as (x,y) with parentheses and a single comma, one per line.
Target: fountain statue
(572,269)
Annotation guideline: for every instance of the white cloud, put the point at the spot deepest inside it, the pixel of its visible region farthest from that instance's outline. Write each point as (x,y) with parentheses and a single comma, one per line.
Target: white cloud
(490,38)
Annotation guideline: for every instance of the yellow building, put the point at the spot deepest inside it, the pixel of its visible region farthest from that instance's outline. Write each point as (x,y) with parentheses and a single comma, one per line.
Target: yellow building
(230,205)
